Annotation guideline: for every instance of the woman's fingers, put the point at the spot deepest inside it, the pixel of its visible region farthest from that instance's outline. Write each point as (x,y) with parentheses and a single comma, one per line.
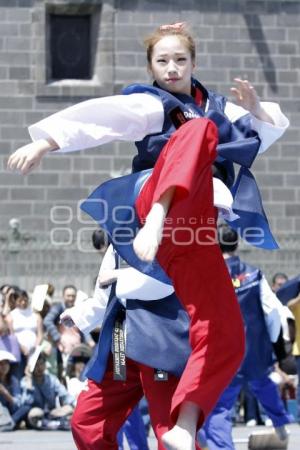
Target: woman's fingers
(246,95)
(20,162)
(28,165)
(244,87)
(12,161)
(25,159)
(17,159)
(236,93)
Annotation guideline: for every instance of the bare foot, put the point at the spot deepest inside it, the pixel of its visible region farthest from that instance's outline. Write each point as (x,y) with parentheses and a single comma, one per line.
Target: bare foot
(178,439)
(147,240)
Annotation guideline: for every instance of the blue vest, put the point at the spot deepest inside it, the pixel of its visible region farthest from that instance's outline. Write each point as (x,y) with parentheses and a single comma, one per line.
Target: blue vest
(238,143)
(181,104)
(259,351)
(157,335)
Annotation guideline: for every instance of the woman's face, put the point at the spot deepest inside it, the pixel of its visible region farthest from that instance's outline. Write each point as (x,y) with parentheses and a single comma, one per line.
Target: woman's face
(22,302)
(172,65)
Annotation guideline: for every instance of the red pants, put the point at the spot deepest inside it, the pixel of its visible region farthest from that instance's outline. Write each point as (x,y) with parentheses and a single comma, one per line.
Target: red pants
(190,255)
(104,407)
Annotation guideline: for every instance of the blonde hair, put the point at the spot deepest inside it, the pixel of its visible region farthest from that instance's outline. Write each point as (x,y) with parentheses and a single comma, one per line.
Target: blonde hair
(177,29)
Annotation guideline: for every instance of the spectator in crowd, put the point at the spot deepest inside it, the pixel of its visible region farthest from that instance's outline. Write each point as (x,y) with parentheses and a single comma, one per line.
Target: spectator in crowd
(8,341)
(53,363)
(278,280)
(9,297)
(40,393)
(64,338)
(75,378)
(3,291)
(27,326)
(10,393)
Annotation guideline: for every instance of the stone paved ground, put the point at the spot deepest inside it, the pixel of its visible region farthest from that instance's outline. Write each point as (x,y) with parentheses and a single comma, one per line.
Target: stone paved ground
(59,440)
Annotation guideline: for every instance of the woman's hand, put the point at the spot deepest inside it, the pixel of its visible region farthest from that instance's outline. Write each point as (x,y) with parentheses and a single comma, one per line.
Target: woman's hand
(28,157)
(246,97)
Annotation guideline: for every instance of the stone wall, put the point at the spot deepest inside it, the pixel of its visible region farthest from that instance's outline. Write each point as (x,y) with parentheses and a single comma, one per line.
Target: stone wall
(255,39)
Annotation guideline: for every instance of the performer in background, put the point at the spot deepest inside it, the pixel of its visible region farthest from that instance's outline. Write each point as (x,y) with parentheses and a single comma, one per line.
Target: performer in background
(264,317)
(150,115)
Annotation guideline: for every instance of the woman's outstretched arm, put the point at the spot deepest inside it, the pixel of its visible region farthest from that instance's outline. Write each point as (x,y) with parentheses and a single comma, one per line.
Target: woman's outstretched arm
(90,124)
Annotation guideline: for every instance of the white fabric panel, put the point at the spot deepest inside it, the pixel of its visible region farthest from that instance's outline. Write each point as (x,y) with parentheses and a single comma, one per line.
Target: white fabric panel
(267,132)
(275,315)
(223,200)
(101,120)
(132,284)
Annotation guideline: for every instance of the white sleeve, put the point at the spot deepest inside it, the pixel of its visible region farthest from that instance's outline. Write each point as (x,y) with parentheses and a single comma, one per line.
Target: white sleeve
(102,120)
(223,200)
(272,308)
(132,284)
(109,260)
(267,132)
(108,263)
(89,314)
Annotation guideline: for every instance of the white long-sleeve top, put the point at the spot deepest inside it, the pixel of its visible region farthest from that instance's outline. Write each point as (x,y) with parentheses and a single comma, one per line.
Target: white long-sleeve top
(132,117)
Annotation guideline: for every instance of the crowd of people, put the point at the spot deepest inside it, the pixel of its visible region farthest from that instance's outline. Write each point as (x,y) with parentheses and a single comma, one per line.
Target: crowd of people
(42,366)
(41,360)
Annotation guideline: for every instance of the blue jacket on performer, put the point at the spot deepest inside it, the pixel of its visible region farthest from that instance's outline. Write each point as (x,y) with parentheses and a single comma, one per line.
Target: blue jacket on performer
(250,285)
(259,351)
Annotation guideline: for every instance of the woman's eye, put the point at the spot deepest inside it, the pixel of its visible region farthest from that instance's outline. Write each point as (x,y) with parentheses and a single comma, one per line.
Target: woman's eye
(161,60)
(182,59)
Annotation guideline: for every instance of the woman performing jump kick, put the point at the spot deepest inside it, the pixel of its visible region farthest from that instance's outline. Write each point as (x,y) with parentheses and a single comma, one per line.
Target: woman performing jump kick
(181,186)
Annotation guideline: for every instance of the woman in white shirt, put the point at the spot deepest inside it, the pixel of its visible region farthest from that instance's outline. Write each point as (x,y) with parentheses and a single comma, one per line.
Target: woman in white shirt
(26,325)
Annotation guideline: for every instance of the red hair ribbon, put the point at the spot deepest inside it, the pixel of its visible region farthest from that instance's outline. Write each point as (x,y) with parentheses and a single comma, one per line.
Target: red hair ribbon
(173,26)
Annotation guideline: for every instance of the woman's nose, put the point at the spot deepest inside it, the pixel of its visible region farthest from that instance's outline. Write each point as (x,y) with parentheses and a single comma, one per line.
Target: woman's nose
(172,68)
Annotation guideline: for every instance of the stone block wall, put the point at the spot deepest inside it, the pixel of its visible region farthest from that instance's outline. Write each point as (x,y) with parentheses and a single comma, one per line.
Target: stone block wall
(258,39)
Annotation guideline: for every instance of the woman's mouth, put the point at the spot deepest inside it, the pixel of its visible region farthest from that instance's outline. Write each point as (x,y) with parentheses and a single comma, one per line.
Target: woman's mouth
(172,80)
